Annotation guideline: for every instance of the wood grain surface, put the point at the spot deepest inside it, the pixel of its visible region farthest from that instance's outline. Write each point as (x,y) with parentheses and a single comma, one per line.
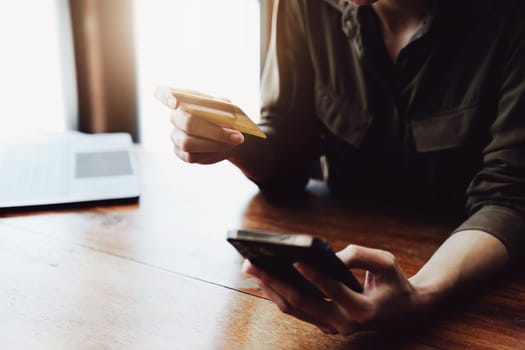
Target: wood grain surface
(159,274)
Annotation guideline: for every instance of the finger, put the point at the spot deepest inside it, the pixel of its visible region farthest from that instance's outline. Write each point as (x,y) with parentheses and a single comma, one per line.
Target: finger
(332,322)
(195,126)
(164,95)
(249,269)
(286,308)
(192,144)
(200,158)
(375,260)
(293,299)
(330,317)
(315,310)
(352,301)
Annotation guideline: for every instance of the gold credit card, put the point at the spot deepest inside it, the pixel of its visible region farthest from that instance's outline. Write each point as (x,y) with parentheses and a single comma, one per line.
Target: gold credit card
(217,111)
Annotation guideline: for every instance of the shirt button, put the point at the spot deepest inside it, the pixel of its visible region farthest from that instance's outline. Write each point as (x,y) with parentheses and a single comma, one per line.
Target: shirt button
(349,28)
(348,21)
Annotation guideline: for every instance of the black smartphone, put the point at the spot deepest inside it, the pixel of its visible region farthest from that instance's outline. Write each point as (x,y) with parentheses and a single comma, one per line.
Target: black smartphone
(276,253)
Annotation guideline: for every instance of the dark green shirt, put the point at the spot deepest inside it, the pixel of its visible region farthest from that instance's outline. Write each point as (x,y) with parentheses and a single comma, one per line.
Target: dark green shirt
(442,126)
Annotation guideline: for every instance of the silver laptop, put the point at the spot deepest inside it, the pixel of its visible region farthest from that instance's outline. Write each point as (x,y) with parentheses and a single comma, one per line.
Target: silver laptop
(67,168)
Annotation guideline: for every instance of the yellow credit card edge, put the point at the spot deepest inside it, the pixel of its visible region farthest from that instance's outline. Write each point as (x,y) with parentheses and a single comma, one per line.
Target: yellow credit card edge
(218,112)
(245,125)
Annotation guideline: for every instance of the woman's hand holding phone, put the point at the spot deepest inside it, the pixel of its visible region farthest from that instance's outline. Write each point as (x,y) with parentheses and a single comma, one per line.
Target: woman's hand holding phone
(388,297)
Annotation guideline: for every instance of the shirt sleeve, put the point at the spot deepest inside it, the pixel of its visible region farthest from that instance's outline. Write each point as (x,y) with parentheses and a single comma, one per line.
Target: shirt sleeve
(496,195)
(288,109)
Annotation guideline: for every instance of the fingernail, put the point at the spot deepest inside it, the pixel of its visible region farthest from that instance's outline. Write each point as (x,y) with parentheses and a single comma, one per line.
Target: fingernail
(303,268)
(171,102)
(236,138)
(245,266)
(299,266)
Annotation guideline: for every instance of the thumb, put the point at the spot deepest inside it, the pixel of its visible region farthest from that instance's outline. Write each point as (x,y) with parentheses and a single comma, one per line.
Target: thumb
(164,95)
(374,260)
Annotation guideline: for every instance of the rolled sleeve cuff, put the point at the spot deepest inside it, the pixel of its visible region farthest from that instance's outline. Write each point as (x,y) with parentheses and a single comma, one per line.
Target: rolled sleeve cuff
(506,224)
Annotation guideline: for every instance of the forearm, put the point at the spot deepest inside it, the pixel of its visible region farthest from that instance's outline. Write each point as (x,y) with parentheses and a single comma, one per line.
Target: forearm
(465,260)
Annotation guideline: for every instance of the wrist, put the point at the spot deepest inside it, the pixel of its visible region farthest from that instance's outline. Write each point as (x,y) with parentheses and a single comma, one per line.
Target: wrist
(254,158)
(429,291)
(464,260)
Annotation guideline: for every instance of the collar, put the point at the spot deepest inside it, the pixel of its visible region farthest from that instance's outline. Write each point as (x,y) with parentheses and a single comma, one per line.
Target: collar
(337,4)
(352,17)
(428,21)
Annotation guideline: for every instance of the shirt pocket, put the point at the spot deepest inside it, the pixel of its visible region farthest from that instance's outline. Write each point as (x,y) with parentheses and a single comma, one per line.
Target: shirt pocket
(445,130)
(343,116)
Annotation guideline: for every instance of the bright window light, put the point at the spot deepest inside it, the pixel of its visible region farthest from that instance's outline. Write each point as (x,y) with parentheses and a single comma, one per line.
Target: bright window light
(31,98)
(208,45)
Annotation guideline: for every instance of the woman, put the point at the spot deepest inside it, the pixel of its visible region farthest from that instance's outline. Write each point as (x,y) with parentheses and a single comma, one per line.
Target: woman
(417,97)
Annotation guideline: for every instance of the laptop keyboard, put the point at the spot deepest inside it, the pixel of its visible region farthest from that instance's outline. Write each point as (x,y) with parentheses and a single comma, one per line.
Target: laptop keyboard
(30,170)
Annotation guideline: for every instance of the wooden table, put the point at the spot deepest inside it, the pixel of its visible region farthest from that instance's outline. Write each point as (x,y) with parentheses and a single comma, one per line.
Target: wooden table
(160,275)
